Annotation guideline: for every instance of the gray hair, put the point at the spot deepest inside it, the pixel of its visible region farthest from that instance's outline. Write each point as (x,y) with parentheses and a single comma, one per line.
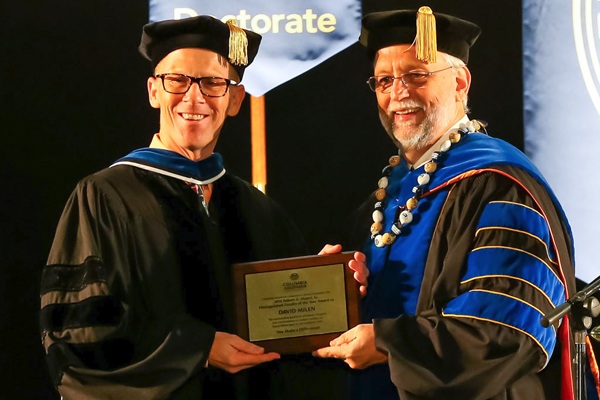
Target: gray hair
(455,62)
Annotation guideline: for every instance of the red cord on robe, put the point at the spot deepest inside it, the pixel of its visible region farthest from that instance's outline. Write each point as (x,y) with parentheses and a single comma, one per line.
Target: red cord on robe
(564,334)
(593,362)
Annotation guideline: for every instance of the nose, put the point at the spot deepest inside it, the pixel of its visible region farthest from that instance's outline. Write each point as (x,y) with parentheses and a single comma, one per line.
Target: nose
(399,89)
(194,93)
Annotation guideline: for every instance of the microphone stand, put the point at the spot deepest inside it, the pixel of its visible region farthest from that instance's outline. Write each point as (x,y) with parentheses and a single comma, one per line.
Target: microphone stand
(582,307)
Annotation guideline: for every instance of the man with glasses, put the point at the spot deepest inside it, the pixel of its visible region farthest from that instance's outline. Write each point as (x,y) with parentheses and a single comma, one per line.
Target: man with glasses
(137,298)
(466,245)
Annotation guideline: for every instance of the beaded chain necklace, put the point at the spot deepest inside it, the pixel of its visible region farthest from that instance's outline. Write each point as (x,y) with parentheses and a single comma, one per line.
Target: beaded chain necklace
(405,215)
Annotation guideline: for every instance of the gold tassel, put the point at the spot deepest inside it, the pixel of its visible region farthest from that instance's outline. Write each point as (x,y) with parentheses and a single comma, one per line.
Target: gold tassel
(426,39)
(238,44)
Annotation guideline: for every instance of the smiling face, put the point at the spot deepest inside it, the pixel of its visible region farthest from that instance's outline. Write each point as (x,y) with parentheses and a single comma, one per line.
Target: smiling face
(416,117)
(190,123)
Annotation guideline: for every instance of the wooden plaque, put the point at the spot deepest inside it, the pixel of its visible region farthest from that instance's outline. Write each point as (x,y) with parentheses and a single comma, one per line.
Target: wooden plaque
(295,305)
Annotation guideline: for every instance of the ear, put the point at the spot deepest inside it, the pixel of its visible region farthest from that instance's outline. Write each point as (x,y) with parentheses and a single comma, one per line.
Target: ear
(152,91)
(236,97)
(463,82)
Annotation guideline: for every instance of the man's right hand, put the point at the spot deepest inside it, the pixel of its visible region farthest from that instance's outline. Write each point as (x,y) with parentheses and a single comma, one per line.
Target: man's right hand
(233,354)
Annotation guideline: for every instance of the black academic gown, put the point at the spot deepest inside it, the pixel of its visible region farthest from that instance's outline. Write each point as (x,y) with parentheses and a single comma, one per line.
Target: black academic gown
(432,356)
(138,281)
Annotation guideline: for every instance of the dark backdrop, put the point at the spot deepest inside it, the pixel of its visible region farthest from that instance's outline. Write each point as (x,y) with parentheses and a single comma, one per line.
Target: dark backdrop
(73,99)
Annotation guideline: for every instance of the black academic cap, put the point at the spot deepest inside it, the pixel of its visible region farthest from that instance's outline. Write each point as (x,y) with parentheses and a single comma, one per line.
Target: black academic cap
(239,46)
(387,28)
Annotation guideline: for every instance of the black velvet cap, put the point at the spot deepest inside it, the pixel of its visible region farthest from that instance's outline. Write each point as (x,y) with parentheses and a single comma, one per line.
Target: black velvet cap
(203,31)
(455,36)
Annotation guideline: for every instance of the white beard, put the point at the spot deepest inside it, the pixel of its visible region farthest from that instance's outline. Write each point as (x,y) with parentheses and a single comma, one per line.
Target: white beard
(421,136)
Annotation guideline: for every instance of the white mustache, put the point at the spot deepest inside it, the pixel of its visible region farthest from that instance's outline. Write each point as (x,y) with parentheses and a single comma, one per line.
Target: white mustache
(404,104)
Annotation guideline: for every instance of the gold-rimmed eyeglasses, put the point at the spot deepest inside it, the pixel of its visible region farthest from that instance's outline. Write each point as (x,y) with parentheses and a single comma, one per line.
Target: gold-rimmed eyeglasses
(383,83)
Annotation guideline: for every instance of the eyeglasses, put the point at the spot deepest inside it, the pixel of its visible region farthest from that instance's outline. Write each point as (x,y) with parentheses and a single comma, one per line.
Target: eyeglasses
(383,83)
(210,86)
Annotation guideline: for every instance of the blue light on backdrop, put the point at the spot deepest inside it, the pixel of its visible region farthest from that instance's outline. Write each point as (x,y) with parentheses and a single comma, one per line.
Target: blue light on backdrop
(297,34)
(562,112)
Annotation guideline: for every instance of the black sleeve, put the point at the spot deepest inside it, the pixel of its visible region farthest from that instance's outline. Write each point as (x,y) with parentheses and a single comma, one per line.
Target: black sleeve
(102,335)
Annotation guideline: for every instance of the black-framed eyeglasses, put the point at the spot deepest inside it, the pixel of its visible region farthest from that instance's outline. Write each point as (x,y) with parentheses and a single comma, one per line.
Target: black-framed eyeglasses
(211,86)
(383,83)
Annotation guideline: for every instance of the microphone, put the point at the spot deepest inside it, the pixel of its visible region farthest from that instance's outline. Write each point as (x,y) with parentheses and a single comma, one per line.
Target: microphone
(557,313)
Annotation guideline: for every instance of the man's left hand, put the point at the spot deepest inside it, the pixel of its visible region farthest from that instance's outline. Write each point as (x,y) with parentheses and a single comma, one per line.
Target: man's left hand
(356,347)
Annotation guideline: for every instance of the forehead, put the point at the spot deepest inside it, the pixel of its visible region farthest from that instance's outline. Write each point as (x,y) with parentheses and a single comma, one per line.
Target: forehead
(400,56)
(195,62)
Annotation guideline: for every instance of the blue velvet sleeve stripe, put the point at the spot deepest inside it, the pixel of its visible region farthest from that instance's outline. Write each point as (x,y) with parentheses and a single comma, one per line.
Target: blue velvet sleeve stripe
(515,263)
(518,217)
(504,310)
